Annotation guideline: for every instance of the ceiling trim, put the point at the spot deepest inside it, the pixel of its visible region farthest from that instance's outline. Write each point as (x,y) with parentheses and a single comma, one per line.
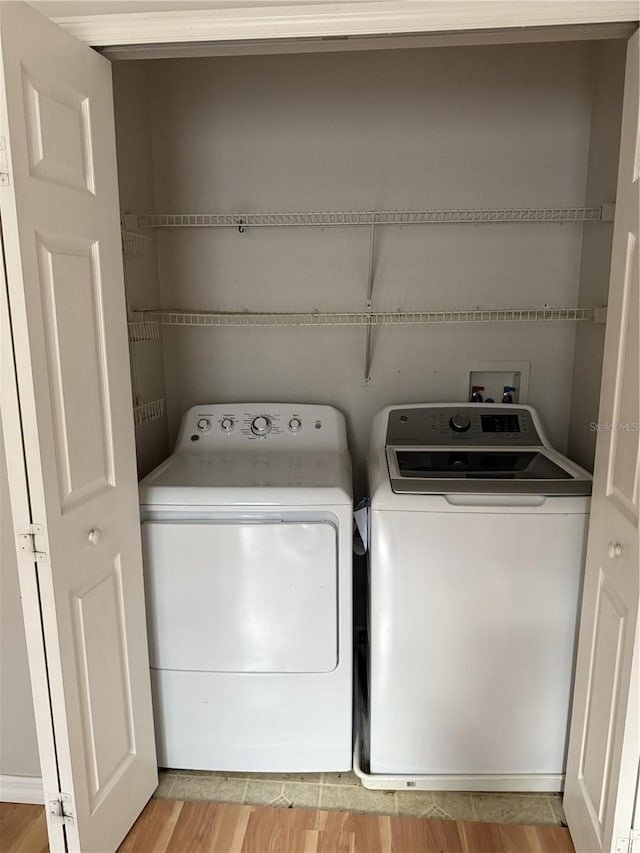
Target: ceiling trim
(258,47)
(370,17)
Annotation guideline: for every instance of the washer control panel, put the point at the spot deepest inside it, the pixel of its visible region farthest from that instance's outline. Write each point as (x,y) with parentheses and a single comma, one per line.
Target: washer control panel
(222,426)
(465,424)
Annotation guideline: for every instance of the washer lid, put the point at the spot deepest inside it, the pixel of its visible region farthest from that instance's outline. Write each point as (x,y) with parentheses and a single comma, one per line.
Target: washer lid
(489,470)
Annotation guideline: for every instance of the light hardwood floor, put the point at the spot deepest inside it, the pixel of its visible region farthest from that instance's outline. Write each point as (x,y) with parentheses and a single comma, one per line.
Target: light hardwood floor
(175,826)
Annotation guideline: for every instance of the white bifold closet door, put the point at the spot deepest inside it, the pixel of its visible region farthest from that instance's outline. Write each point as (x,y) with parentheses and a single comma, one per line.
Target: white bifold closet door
(67,418)
(604,747)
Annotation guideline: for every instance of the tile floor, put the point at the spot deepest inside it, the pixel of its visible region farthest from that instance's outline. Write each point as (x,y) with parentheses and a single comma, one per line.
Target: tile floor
(343,791)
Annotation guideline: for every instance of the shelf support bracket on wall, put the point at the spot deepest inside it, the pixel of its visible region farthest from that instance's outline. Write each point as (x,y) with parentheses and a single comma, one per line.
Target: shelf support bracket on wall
(367,356)
(370,275)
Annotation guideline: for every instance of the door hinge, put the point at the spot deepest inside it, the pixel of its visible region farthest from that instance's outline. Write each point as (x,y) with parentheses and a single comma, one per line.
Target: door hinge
(4,163)
(61,810)
(27,542)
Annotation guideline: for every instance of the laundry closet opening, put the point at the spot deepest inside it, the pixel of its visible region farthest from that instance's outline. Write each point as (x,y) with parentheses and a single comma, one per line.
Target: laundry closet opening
(524,132)
(357,229)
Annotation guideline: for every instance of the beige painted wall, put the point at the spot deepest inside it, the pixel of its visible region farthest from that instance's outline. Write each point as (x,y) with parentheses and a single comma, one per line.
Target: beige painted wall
(453,127)
(135,185)
(18,744)
(596,247)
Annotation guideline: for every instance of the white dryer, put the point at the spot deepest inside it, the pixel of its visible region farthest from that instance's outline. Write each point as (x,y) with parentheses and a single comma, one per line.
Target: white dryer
(478,532)
(247,538)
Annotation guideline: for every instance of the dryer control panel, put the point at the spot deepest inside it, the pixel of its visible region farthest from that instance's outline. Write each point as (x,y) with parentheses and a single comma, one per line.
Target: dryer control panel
(268,425)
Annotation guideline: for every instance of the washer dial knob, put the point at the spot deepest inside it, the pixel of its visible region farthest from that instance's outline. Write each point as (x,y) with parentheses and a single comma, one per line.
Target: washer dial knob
(226,424)
(295,424)
(460,422)
(204,424)
(261,425)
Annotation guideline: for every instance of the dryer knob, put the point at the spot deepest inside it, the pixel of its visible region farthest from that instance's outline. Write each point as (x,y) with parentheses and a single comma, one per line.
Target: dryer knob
(204,424)
(261,425)
(226,424)
(460,422)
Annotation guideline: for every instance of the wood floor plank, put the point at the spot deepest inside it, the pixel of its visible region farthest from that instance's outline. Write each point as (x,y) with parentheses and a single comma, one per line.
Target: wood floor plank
(270,832)
(511,838)
(231,828)
(426,836)
(336,842)
(384,825)
(194,831)
(311,838)
(555,838)
(295,819)
(481,838)
(369,830)
(517,838)
(154,827)
(173,826)
(15,821)
(282,830)
(334,821)
(35,839)
(263,835)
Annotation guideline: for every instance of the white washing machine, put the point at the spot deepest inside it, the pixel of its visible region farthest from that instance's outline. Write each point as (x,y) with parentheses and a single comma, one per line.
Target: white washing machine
(247,547)
(478,534)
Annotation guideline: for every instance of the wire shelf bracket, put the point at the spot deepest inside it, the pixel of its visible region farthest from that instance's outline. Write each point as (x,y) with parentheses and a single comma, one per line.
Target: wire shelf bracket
(134,245)
(324,219)
(148,412)
(141,331)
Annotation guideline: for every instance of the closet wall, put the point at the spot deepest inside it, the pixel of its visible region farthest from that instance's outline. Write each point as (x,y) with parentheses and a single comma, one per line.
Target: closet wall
(596,246)
(18,744)
(468,127)
(135,184)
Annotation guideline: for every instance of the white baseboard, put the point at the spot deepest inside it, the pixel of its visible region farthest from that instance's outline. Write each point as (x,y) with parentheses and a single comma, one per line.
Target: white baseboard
(21,789)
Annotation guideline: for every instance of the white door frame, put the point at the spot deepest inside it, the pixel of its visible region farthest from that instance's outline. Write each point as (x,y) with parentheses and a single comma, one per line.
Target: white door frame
(297,22)
(290,20)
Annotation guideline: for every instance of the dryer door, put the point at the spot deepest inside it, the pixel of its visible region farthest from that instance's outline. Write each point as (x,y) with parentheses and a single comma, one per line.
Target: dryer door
(241,596)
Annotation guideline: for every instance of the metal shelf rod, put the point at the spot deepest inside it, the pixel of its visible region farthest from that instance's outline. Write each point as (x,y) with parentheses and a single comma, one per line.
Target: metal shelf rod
(324,219)
(175,317)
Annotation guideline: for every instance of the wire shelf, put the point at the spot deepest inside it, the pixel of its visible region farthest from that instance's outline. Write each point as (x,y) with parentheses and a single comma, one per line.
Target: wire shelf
(148,412)
(375,217)
(134,245)
(370,318)
(141,331)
